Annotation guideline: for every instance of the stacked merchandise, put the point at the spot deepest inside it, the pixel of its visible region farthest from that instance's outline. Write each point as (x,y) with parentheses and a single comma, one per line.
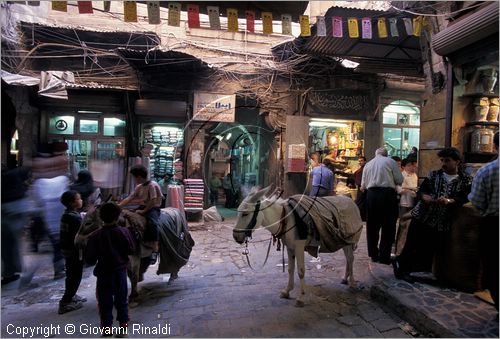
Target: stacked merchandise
(165,157)
(193,195)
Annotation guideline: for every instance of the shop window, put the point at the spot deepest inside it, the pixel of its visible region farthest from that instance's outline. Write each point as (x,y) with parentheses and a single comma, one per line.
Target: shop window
(62,124)
(401,120)
(390,118)
(107,150)
(89,126)
(114,127)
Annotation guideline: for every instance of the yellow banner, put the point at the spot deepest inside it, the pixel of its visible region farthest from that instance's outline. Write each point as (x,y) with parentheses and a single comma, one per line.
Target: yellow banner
(61,6)
(286,24)
(427,24)
(352,24)
(174,14)
(382,28)
(305,28)
(267,22)
(130,10)
(417,26)
(232,20)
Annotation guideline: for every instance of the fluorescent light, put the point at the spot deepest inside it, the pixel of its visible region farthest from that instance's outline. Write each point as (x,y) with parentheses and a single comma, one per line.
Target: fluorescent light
(228,136)
(91,112)
(349,64)
(316,122)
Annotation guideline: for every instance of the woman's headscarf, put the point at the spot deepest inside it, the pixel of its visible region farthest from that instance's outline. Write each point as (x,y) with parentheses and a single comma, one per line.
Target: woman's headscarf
(84,184)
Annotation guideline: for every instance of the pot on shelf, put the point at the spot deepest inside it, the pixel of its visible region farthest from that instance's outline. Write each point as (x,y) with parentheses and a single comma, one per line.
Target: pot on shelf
(481,113)
(492,114)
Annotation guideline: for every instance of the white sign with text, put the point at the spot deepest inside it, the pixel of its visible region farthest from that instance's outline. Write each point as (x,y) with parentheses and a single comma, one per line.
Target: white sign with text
(214,107)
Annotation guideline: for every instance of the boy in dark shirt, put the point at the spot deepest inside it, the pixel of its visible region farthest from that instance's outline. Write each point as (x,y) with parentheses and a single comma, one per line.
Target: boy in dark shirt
(110,247)
(70,223)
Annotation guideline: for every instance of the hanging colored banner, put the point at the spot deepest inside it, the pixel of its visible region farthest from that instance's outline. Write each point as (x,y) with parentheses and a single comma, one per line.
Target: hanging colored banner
(286,24)
(154,12)
(366,31)
(320,26)
(107,6)
(34,3)
(337,30)
(382,28)
(193,16)
(267,22)
(427,24)
(130,10)
(85,7)
(232,20)
(417,26)
(174,14)
(305,28)
(352,25)
(393,26)
(250,21)
(408,26)
(61,6)
(213,17)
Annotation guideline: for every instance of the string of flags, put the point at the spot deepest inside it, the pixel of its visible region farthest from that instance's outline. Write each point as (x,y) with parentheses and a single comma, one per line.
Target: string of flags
(356,27)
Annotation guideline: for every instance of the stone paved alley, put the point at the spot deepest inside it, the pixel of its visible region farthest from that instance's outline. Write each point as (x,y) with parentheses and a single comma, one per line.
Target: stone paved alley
(218,295)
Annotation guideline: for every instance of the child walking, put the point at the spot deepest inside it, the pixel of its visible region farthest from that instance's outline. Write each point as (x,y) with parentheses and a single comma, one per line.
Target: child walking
(110,247)
(70,223)
(149,195)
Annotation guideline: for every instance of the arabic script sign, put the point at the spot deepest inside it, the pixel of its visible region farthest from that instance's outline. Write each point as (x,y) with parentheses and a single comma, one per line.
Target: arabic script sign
(214,107)
(340,101)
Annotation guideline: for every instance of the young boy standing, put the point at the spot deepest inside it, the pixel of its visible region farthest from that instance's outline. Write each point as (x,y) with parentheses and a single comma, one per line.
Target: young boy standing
(109,247)
(70,223)
(149,195)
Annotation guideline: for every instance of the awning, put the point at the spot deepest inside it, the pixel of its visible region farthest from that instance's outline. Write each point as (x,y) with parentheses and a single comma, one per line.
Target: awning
(18,80)
(462,33)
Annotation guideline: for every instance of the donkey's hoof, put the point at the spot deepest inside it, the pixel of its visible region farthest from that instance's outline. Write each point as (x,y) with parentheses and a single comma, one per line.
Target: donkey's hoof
(344,282)
(299,303)
(284,295)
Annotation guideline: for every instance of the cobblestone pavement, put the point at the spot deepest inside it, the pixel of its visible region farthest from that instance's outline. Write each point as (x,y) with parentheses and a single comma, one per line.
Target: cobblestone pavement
(218,295)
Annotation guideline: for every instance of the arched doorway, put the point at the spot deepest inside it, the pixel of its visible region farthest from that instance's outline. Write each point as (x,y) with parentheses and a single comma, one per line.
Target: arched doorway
(401,127)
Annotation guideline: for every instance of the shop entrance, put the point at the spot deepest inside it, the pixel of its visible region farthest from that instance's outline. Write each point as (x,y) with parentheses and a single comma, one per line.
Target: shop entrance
(401,127)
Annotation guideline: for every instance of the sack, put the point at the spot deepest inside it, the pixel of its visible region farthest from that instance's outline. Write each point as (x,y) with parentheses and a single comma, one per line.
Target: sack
(361,203)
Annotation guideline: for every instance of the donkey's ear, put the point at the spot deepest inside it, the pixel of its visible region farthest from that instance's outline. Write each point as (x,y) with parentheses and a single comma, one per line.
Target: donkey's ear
(257,196)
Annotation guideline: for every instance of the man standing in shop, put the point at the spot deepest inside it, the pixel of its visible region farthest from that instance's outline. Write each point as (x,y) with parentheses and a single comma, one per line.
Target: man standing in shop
(380,177)
(214,186)
(321,177)
(484,197)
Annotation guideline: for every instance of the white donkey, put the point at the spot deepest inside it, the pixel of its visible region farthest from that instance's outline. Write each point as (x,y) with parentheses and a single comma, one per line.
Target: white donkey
(274,214)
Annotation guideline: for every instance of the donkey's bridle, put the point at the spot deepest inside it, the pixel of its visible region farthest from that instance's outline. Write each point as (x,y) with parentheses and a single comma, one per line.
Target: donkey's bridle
(253,221)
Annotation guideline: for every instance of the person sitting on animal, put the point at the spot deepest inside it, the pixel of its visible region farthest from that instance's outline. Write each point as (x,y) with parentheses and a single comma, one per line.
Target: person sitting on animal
(149,195)
(110,247)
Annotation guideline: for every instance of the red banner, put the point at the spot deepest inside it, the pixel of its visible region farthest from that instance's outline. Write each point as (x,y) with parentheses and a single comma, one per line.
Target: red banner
(250,21)
(85,7)
(193,16)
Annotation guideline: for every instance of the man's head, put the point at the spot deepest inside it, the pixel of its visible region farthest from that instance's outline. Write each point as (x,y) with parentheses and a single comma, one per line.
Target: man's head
(110,212)
(450,159)
(409,165)
(140,173)
(381,151)
(315,159)
(361,161)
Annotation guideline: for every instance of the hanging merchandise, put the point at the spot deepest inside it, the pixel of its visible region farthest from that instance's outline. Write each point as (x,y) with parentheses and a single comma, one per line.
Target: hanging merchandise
(427,24)
(154,12)
(417,26)
(130,9)
(232,20)
(305,28)
(107,6)
(193,195)
(61,6)
(213,17)
(352,24)
(193,16)
(267,22)
(408,26)
(366,24)
(174,14)
(286,24)
(393,25)
(85,7)
(382,28)
(250,21)
(321,26)
(337,30)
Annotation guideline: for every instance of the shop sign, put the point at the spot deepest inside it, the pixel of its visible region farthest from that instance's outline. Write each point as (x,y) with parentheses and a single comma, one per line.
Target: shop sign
(343,102)
(214,107)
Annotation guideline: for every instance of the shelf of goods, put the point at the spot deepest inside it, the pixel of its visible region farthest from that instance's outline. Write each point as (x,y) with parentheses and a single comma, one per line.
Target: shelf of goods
(193,195)
(166,154)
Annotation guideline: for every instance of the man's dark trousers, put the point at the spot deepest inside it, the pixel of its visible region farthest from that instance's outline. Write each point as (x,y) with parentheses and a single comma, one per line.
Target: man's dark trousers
(111,289)
(381,213)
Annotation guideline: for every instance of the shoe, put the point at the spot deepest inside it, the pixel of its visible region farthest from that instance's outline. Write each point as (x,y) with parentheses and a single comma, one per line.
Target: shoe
(78,298)
(385,261)
(122,331)
(9,279)
(153,258)
(59,275)
(107,332)
(68,307)
(397,270)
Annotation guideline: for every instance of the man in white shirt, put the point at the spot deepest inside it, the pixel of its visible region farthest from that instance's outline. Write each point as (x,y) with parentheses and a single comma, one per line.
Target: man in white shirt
(381,175)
